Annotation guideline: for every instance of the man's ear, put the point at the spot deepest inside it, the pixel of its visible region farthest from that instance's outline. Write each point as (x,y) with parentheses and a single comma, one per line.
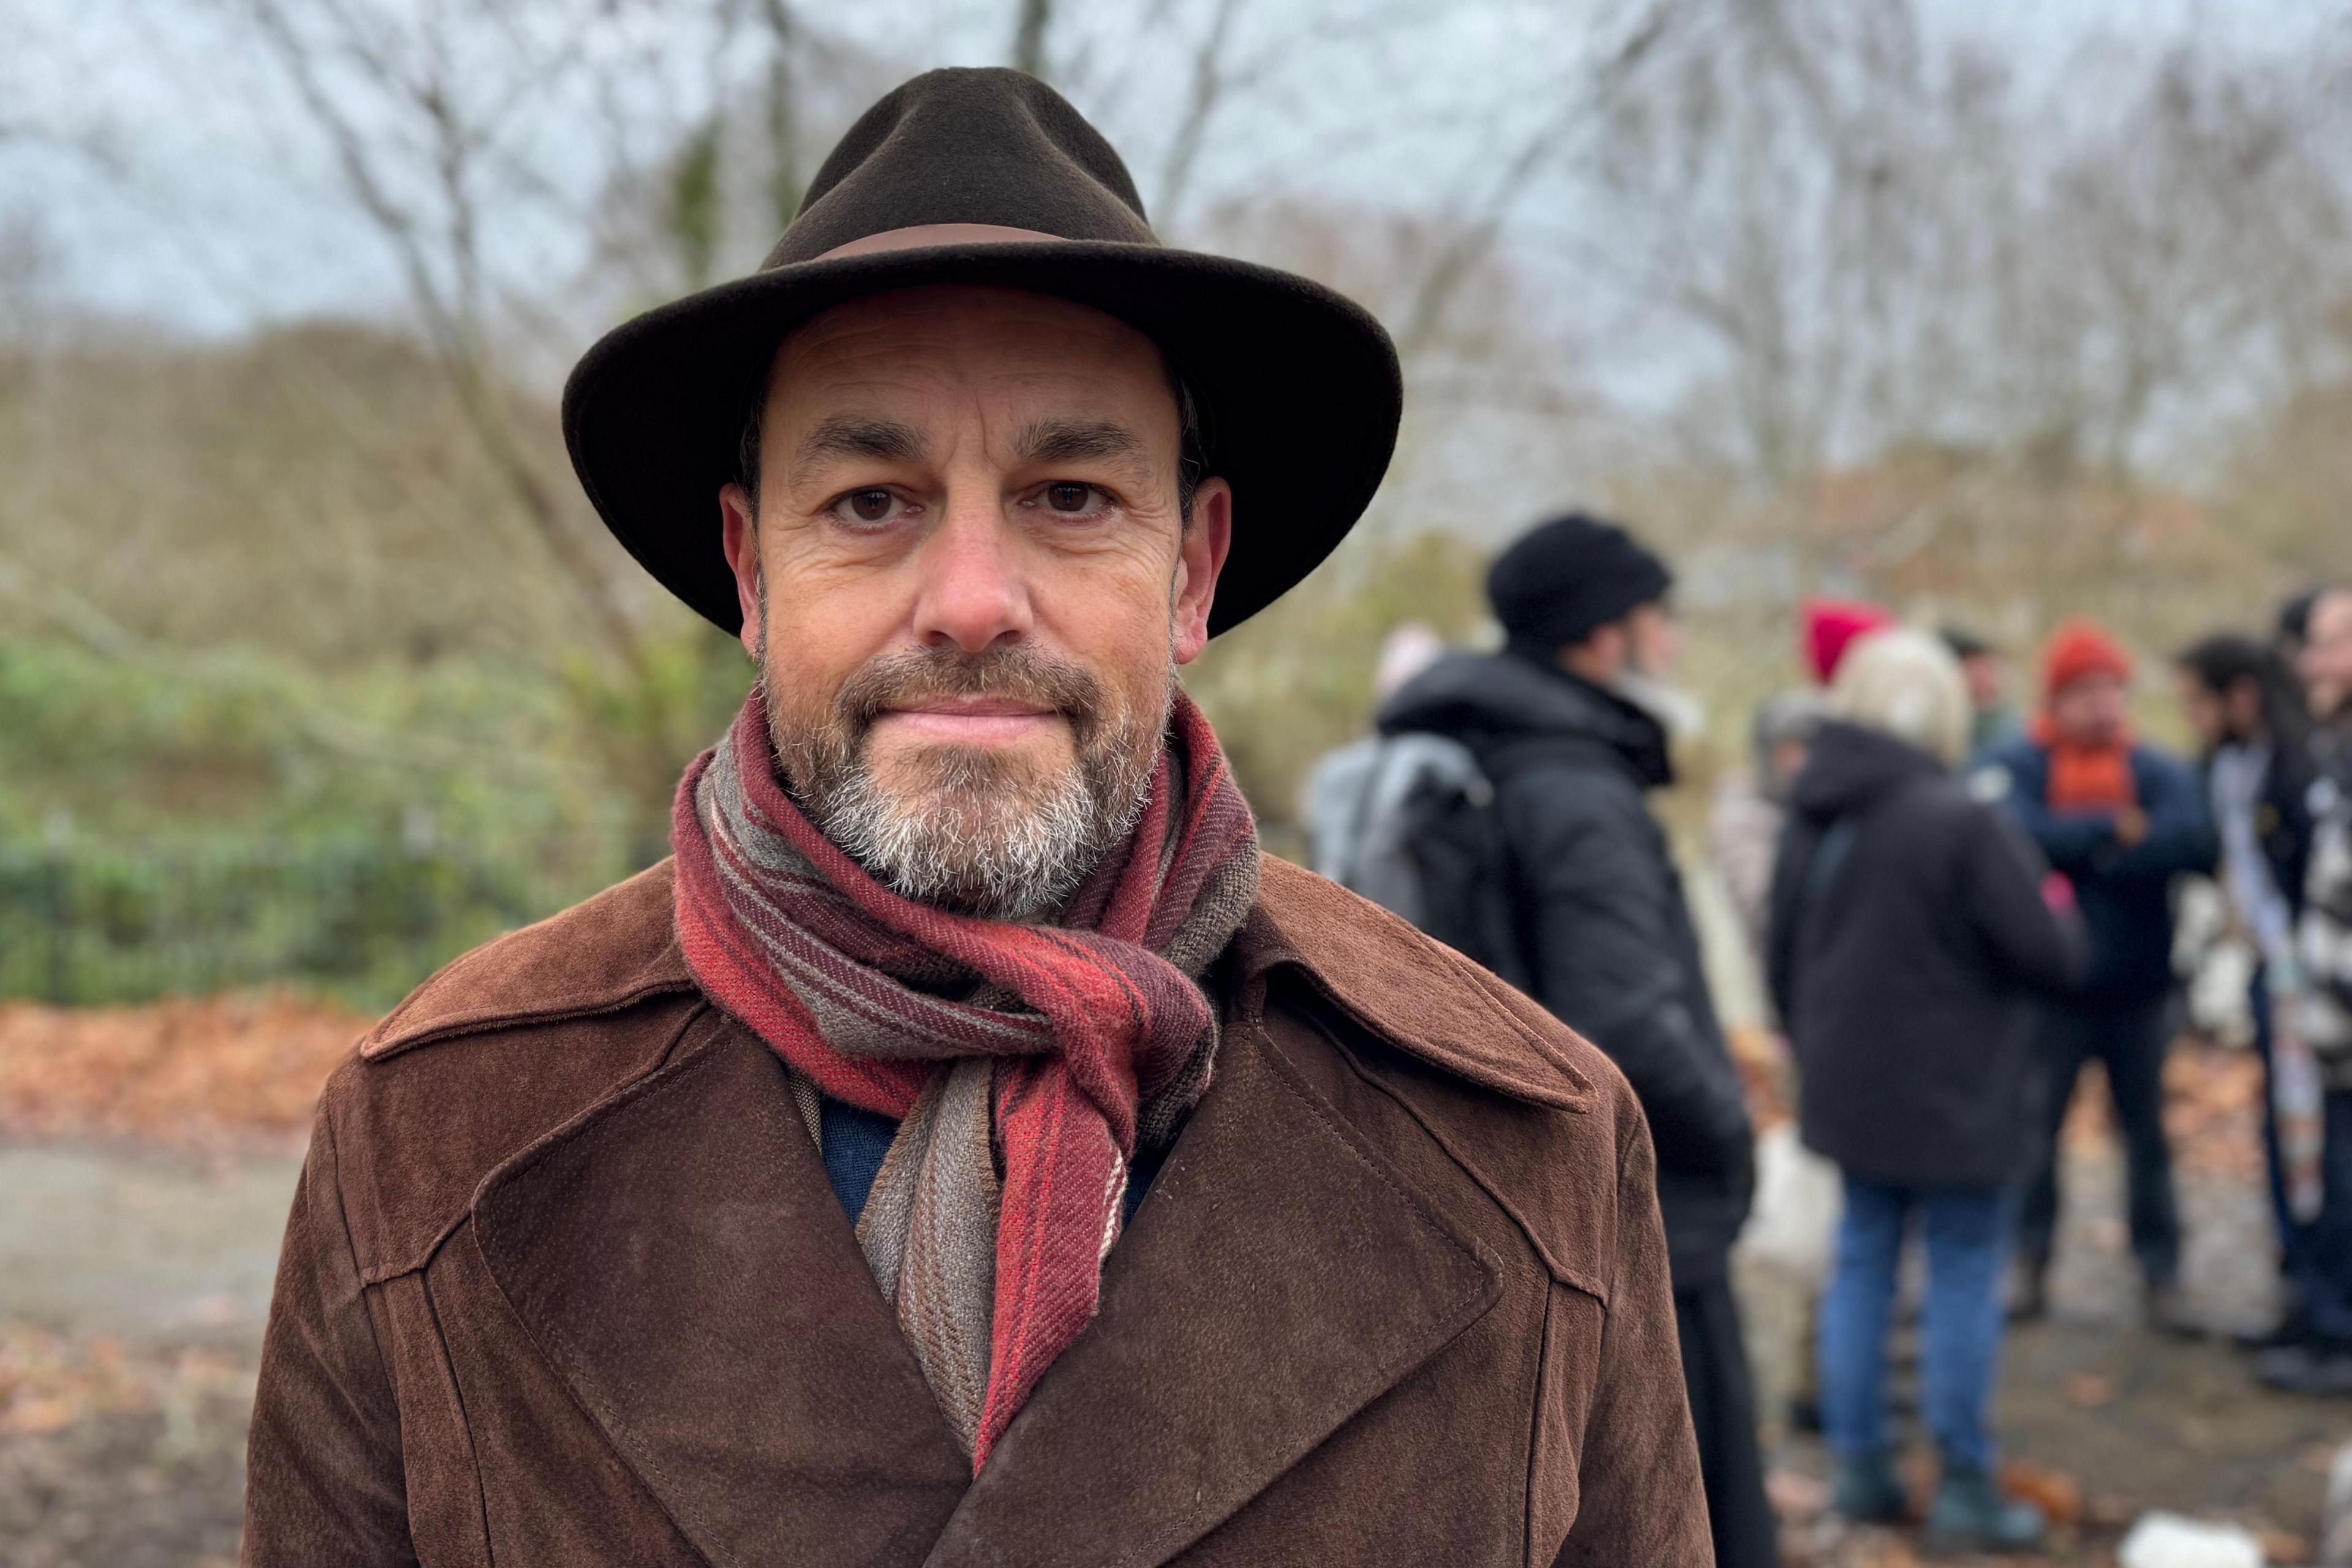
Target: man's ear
(738,536)
(1200,558)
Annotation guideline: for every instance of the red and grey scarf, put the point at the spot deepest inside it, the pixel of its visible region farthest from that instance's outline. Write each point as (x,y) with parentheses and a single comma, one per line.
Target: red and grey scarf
(1049,1054)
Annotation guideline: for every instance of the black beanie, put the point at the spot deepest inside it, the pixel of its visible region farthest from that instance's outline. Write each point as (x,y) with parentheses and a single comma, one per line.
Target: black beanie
(1565,579)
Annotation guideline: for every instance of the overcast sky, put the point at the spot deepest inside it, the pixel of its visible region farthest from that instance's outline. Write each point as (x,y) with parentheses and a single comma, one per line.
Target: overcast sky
(205,210)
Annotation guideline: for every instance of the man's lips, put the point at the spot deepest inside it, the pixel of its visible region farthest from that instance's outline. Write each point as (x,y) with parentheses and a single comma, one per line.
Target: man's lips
(969,720)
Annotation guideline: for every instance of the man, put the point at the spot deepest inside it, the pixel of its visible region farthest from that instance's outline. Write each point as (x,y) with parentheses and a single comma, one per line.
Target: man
(968,1151)
(2319,1015)
(1990,723)
(1567,724)
(2119,821)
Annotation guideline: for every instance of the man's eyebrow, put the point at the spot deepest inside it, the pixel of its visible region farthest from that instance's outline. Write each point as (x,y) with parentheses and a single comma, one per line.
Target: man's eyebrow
(1076,440)
(857,435)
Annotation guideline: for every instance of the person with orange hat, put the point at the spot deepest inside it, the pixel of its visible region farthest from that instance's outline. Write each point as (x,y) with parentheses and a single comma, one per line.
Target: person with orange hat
(2119,821)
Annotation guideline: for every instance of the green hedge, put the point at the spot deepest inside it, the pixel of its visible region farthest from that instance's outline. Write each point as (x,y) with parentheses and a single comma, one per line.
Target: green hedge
(358,919)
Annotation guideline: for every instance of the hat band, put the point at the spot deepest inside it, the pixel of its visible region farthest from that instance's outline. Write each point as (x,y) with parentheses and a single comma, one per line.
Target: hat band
(925,235)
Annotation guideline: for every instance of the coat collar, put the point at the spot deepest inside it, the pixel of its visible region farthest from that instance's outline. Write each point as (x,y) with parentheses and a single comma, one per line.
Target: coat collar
(1417,994)
(680,1259)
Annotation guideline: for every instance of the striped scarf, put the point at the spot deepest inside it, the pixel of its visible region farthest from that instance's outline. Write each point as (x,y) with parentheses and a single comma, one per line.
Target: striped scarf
(1049,1053)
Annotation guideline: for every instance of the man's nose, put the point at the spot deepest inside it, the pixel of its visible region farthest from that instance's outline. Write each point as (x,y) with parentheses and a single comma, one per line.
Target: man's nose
(974,595)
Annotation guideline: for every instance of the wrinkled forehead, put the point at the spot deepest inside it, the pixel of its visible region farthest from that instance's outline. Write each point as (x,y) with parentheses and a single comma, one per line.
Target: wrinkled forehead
(999,350)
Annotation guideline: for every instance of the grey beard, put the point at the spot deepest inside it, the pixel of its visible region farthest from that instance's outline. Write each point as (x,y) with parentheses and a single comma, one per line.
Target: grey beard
(973,844)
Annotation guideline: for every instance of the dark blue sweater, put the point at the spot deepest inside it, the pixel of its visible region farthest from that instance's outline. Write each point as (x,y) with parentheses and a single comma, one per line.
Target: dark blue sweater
(855,1141)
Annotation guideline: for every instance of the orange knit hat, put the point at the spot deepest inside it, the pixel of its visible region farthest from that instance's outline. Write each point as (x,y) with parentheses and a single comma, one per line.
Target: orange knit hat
(2077,649)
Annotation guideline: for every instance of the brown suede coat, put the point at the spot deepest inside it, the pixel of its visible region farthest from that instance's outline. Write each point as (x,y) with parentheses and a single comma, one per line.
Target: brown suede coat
(565,1284)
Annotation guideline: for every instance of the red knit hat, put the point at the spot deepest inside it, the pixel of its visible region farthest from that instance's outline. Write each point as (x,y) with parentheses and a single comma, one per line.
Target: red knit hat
(1832,625)
(2079,649)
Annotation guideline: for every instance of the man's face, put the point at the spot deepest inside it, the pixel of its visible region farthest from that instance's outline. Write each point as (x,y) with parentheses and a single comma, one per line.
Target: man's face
(1986,678)
(2326,663)
(968,584)
(1653,644)
(2092,711)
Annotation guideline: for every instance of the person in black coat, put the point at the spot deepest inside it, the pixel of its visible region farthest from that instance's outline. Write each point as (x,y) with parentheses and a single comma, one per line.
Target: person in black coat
(1910,937)
(1568,724)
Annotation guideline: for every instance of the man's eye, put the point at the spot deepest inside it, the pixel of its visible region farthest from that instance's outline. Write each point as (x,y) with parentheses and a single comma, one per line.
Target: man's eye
(866,506)
(1068,495)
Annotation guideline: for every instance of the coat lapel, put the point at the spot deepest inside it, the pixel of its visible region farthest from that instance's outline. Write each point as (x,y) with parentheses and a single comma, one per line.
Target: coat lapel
(1277,1278)
(679,1258)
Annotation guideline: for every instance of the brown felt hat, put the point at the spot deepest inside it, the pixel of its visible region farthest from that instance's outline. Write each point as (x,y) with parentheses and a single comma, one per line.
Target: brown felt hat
(991,177)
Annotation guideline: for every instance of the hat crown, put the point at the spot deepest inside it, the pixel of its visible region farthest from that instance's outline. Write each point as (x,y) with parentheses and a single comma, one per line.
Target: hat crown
(967,145)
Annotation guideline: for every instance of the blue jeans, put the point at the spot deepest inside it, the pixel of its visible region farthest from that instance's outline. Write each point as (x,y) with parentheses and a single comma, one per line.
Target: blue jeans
(1968,1236)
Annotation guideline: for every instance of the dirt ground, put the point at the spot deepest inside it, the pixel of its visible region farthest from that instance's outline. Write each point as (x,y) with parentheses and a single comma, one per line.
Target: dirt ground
(149,1155)
(124,1456)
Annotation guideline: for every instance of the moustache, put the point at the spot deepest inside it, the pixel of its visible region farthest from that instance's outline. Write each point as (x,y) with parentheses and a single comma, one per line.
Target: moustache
(1014,672)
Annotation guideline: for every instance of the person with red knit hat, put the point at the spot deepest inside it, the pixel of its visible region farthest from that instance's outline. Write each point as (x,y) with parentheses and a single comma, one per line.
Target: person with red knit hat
(2119,821)
(1833,626)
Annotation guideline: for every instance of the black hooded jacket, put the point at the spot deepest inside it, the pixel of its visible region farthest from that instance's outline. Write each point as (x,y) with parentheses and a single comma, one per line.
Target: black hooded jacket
(1602,922)
(1906,964)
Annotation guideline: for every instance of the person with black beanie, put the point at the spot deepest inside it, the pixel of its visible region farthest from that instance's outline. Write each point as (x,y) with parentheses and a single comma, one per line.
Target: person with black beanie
(1570,724)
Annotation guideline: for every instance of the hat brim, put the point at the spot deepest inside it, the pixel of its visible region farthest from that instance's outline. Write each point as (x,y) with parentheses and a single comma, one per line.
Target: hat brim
(1298,388)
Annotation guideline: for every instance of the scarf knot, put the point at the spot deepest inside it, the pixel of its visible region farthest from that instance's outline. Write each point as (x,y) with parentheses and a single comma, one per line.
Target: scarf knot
(1049,1053)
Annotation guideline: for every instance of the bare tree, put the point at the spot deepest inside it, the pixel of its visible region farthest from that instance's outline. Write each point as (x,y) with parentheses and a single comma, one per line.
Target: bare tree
(1877,241)
(1035,19)
(1212,76)
(426,191)
(456,129)
(782,116)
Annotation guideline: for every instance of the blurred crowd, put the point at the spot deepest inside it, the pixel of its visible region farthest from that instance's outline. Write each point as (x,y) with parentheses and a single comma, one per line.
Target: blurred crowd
(1958,901)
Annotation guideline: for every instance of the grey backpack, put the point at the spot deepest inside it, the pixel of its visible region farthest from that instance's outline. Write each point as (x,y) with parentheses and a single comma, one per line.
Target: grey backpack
(1409,822)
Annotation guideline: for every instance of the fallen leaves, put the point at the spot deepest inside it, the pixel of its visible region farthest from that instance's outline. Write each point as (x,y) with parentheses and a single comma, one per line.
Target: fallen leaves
(2058,1495)
(49,1381)
(2088,1390)
(186,1072)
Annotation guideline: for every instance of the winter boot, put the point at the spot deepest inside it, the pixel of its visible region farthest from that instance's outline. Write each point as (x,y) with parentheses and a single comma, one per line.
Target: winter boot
(1971,1515)
(2317,1368)
(1868,1491)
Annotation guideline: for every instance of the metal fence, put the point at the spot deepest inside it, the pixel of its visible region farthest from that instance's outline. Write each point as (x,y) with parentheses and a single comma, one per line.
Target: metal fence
(360,919)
